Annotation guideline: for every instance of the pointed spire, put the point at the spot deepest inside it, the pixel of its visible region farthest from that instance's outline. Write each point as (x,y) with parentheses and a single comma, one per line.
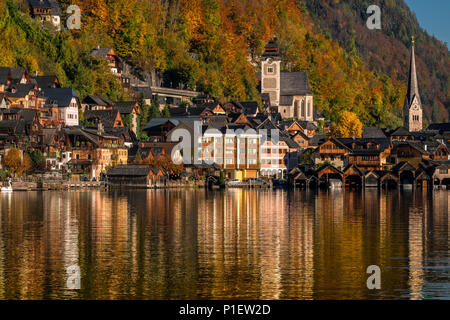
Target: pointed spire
(413,87)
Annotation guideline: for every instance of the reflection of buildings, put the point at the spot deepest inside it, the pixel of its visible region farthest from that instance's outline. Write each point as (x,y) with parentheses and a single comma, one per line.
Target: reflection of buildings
(417,231)
(184,244)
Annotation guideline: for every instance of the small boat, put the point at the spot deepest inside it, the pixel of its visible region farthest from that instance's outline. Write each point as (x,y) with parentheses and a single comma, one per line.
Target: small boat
(335,184)
(8,187)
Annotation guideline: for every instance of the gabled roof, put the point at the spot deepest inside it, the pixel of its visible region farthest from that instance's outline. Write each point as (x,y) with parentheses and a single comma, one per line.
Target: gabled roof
(42,4)
(46,81)
(157,122)
(383,144)
(4,75)
(294,83)
(337,141)
(107,117)
(402,166)
(20,90)
(401,131)
(16,74)
(373,132)
(101,52)
(250,107)
(350,166)
(304,136)
(129,170)
(417,145)
(307,125)
(61,97)
(234,116)
(97,100)
(318,139)
(441,127)
(291,84)
(125,107)
(326,166)
(288,140)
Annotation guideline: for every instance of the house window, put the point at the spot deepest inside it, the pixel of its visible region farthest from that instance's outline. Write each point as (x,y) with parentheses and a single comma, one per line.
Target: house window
(270,70)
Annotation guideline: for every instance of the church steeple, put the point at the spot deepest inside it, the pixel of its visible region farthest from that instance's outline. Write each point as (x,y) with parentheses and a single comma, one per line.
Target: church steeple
(412,109)
(413,87)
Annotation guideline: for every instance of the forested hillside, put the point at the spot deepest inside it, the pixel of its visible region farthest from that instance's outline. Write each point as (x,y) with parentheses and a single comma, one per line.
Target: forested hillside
(213,46)
(387,51)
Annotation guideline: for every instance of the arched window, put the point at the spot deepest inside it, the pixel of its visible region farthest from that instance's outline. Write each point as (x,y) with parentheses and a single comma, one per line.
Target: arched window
(303,109)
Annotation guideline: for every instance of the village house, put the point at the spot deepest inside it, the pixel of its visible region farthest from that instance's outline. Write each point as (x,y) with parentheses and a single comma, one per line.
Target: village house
(63,100)
(129,111)
(109,55)
(92,102)
(46,11)
(149,151)
(108,118)
(137,176)
(367,154)
(24,96)
(416,151)
(93,151)
(332,151)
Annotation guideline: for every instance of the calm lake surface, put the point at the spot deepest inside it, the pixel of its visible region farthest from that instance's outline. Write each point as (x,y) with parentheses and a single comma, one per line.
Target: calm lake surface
(242,244)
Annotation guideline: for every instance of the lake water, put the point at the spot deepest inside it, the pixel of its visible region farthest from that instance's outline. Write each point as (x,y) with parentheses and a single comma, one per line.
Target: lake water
(242,244)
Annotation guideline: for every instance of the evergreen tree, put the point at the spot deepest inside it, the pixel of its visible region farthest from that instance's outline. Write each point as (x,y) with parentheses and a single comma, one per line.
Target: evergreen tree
(166,112)
(155,108)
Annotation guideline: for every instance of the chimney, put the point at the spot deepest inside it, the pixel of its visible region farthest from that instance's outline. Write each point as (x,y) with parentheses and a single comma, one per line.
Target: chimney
(426,147)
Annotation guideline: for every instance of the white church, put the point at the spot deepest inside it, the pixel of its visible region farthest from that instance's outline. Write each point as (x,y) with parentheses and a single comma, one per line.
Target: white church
(289,92)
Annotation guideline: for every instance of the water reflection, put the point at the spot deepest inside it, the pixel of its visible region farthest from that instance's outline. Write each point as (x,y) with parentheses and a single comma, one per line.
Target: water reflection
(243,244)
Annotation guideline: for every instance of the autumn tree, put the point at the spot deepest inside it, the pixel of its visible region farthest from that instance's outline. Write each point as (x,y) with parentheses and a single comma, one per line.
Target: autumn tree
(348,125)
(14,163)
(163,161)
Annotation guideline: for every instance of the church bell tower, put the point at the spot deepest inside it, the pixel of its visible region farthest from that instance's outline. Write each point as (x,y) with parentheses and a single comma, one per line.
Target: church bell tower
(270,72)
(412,109)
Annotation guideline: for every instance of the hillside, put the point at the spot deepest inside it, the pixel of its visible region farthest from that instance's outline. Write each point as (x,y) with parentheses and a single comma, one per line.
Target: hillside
(214,45)
(387,50)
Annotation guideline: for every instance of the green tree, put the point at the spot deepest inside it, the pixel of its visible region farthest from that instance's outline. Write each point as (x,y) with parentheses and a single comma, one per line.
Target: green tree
(154,108)
(166,112)
(37,160)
